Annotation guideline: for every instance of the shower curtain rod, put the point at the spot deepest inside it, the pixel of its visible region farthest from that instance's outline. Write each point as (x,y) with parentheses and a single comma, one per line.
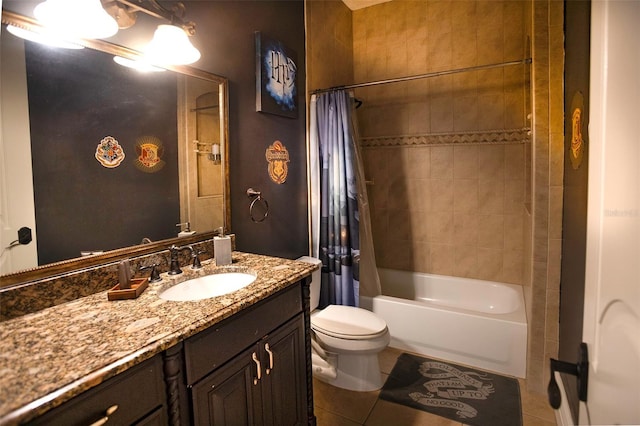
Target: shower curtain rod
(419,76)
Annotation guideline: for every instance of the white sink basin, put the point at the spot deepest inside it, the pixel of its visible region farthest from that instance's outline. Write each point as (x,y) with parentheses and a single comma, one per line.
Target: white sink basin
(208,286)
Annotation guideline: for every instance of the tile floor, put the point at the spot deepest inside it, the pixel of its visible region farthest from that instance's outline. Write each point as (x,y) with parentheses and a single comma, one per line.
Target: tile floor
(339,407)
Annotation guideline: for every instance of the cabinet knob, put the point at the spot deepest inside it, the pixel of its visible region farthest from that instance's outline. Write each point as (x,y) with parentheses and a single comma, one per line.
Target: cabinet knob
(255,359)
(268,350)
(109,411)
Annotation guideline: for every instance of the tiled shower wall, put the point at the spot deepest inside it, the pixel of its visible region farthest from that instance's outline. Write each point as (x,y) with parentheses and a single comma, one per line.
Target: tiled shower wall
(450,210)
(453,205)
(416,178)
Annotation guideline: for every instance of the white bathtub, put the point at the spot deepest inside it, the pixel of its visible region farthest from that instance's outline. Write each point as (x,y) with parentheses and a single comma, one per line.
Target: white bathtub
(478,323)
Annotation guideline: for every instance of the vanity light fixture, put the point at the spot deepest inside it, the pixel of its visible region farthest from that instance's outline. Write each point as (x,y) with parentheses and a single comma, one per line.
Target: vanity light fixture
(76,18)
(171,46)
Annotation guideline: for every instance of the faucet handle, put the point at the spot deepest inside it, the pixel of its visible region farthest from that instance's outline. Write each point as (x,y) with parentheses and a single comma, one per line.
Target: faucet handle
(155,275)
(195,254)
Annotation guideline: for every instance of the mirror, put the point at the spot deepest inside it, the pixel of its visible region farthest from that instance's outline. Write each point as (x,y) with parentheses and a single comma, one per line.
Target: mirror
(118,157)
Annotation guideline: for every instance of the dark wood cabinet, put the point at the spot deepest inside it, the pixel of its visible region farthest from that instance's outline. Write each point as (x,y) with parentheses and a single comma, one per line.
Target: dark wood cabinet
(228,396)
(264,385)
(252,368)
(284,384)
(136,396)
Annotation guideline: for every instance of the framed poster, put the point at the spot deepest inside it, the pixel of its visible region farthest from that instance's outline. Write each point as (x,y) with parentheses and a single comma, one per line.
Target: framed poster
(276,77)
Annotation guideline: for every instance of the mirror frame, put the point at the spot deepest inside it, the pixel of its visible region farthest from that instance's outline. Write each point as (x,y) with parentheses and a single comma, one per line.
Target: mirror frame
(65,266)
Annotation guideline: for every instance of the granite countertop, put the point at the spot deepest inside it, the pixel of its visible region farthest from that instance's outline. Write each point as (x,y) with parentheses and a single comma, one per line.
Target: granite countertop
(48,357)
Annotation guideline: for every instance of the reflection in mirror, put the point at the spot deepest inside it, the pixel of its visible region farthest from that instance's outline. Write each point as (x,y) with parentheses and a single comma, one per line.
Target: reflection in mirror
(115,157)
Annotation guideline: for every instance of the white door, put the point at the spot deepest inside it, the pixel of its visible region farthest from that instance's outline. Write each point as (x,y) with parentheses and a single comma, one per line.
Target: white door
(612,284)
(17,207)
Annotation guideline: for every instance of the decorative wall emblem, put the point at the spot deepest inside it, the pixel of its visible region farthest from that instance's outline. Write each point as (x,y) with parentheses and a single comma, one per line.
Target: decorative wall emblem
(576,149)
(276,78)
(278,157)
(109,152)
(150,151)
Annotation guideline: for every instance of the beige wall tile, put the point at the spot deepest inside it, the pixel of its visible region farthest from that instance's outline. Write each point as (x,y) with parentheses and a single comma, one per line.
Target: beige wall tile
(442,162)
(417,161)
(492,111)
(465,229)
(419,195)
(514,196)
(442,259)
(491,196)
(466,261)
(421,255)
(440,228)
(513,231)
(441,114)
(555,212)
(489,264)
(513,265)
(490,31)
(421,225)
(491,232)
(556,159)
(441,195)
(465,196)
(514,162)
(465,162)
(491,162)
(514,30)
(466,114)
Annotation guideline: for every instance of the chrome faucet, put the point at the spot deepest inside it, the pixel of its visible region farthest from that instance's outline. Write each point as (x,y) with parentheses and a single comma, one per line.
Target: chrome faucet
(174,267)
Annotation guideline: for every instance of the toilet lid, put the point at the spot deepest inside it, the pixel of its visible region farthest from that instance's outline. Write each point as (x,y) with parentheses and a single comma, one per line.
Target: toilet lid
(347,322)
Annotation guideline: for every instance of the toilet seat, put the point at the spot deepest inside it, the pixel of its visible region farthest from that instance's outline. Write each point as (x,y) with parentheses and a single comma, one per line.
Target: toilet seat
(348,322)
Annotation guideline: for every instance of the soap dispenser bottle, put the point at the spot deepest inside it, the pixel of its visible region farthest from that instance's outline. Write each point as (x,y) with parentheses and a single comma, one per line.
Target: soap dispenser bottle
(222,248)
(186,232)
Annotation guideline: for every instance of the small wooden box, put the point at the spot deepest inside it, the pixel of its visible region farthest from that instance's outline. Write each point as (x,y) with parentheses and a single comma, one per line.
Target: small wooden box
(138,285)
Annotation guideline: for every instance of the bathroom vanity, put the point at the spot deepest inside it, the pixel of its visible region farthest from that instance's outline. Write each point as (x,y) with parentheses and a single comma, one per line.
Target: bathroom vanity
(241,358)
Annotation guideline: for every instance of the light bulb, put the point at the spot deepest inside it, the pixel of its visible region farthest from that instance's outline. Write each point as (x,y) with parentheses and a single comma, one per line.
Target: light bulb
(76,18)
(171,46)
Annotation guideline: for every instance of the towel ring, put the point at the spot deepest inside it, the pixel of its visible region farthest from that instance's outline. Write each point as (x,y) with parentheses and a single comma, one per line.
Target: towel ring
(257,196)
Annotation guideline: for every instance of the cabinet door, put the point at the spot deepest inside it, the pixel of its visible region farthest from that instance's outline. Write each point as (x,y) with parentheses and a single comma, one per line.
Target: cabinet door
(284,382)
(231,394)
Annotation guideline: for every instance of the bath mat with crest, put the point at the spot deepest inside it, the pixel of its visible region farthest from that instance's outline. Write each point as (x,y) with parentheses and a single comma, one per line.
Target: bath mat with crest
(453,391)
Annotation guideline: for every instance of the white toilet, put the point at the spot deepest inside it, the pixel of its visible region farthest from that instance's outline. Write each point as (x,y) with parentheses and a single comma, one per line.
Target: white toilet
(346,342)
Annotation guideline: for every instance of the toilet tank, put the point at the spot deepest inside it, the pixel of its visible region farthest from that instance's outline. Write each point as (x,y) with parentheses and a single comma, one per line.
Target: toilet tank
(315,280)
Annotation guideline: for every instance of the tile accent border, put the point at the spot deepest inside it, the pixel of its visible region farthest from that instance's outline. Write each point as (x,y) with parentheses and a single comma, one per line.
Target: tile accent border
(493,137)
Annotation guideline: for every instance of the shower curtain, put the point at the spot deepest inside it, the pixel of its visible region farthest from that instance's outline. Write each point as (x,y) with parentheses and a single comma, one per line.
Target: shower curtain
(339,205)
